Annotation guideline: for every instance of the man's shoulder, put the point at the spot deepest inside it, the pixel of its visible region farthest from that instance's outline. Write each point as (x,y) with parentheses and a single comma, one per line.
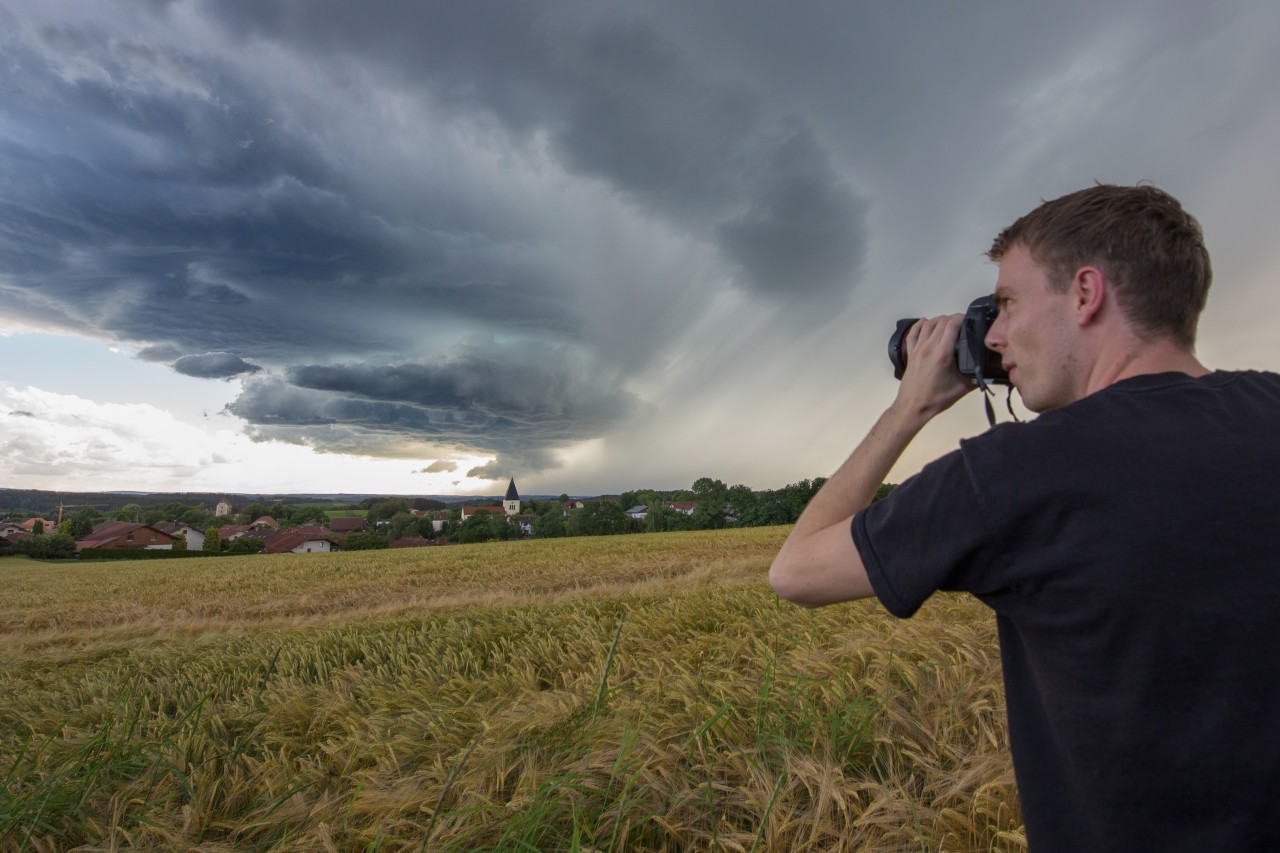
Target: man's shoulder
(1136,411)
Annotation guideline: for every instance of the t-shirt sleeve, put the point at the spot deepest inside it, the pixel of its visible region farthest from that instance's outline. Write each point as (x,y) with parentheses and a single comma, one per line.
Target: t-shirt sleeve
(928,534)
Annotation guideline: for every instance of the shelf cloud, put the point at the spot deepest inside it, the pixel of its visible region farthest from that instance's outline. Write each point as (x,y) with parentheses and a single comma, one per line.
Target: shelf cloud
(507,230)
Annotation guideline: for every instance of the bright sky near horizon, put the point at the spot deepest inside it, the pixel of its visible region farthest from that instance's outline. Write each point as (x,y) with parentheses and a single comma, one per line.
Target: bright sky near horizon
(416,248)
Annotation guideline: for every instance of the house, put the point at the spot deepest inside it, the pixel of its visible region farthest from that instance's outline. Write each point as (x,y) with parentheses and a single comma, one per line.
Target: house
(29,526)
(8,528)
(347,524)
(439,520)
(193,535)
(639,513)
(686,508)
(232,532)
(297,542)
(223,508)
(266,521)
(126,534)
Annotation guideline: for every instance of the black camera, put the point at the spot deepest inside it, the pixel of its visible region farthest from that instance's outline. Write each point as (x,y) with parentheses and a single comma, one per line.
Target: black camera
(972,356)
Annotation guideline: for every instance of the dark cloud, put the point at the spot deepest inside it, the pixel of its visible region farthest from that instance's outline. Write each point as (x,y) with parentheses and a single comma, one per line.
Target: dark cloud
(214,365)
(21,414)
(214,198)
(518,402)
(440,466)
(330,226)
(804,231)
(625,102)
(339,193)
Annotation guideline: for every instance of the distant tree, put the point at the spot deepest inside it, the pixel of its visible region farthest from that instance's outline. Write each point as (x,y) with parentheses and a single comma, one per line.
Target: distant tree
(770,508)
(427,504)
(195,517)
(599,518)
(707,516)
(884,491)
(252,513)
(310,515)
(402,524)
(708,496)
(550,524)
(154,516)
(83,521)
(37,529)
(798,495)
(128,512)
(243,545)
(741,503)
(481,527)
(58,546)
(281,513)
(212,543)
(386,509)
(179,542)
(367,541)
(661,517)
(65,527)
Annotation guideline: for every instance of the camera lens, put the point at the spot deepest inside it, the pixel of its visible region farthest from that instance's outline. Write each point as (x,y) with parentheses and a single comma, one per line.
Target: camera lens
(898,346)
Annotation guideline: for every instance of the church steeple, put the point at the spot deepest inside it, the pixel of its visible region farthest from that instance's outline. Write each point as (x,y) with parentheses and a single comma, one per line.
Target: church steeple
(511,503)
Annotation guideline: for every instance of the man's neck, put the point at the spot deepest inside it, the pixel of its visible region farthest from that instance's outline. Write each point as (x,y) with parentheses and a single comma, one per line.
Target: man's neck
(1141,358)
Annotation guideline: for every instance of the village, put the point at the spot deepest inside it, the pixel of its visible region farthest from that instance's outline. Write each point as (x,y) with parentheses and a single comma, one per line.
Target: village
(245,531)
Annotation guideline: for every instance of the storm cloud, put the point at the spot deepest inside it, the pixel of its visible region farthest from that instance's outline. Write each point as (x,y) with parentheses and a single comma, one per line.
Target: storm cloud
(214,365)
(520,402)
(508,230)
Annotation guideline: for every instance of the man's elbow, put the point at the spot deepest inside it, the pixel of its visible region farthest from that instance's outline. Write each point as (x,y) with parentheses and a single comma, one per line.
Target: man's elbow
(787,582)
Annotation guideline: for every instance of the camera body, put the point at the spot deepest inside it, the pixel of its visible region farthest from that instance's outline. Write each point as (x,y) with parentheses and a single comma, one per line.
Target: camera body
(973,359)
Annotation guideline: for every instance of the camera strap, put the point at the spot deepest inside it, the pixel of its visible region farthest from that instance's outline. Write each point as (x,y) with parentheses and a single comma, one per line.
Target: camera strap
(985,387)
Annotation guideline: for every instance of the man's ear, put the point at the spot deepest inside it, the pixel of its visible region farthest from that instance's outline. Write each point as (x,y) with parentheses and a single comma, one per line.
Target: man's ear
(1088,293)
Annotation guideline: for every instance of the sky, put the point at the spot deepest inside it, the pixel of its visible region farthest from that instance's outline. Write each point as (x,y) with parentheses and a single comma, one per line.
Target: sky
(271,246)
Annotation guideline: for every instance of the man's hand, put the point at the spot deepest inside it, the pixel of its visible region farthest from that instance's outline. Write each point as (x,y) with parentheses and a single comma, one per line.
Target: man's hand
(931,383)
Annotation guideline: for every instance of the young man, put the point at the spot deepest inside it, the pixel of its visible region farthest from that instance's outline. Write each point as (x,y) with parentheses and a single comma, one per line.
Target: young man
(1124,538)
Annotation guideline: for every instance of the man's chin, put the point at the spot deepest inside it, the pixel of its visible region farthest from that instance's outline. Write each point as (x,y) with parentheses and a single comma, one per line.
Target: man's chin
(1031,402)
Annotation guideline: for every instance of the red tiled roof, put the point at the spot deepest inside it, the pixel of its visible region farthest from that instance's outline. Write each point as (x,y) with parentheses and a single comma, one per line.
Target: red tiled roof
(345,523)
(104,534)
(472,510)
(285,541)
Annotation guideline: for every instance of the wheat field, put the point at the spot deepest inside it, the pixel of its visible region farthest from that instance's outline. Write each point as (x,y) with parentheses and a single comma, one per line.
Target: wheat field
(611,693)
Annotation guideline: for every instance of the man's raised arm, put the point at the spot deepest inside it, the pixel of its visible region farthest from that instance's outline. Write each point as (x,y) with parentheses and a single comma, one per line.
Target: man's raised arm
(818,564)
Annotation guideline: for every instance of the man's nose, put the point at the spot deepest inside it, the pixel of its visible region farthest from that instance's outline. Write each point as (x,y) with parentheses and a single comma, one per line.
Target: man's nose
(995,335)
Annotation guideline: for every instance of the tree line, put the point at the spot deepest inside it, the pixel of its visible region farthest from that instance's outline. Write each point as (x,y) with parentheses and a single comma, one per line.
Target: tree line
(715,505)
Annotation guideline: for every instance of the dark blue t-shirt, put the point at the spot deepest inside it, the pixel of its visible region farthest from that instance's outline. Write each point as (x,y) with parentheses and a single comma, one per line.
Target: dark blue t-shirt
(1129,544)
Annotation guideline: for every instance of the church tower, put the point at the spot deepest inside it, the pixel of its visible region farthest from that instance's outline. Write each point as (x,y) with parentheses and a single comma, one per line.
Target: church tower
(511,503)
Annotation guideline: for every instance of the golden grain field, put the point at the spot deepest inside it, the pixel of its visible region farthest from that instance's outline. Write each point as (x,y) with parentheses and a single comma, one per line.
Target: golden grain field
(613,693)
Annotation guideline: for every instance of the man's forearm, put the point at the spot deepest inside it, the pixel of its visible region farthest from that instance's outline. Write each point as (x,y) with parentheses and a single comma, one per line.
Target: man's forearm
(819,564)
(853,486)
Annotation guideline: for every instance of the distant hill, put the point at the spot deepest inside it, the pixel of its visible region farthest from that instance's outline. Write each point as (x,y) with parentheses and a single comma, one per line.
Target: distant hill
(36,501)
